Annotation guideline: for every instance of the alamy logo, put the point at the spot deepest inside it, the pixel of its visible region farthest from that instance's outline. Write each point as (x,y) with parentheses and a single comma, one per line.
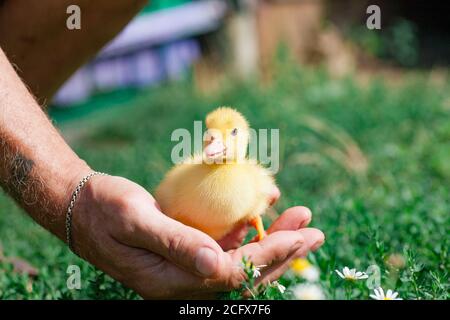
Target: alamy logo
(374,20)
(73,21)
(263,146)
(74,279)
(374,279)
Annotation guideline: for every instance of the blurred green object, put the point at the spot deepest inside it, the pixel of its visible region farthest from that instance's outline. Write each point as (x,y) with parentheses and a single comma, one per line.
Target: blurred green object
(155,5)
(399,43)
(403,45)
(97,103)
(371,41)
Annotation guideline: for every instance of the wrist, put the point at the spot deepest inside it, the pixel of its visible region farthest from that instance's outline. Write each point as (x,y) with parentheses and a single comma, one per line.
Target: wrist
(87,213)
(66,182)
(76,195)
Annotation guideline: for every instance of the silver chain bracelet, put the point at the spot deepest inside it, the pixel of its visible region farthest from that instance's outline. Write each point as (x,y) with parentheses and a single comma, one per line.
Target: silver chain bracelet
(75,195)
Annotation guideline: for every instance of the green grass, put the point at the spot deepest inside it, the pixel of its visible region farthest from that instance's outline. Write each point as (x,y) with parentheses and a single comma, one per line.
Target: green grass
(372,162)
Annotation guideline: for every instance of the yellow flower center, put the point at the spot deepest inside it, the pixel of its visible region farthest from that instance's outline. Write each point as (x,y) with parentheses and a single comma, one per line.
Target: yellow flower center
(300,264)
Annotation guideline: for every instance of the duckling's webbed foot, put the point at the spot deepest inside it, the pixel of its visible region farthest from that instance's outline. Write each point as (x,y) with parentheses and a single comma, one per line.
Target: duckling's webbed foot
(259,226)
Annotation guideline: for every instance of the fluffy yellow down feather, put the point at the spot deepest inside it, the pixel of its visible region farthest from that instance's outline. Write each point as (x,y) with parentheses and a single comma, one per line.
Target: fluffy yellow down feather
(220,188)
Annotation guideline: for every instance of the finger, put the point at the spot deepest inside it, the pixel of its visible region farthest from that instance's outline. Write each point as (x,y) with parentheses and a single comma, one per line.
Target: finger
(187,247)
(277,249)
(162,279)
(153,277)
(292,219)
(156,204)
(234,239)
(314,238)
(273,248)
(169,280)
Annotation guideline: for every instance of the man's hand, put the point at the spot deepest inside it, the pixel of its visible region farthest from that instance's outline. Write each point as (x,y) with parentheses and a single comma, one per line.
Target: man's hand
(118,227)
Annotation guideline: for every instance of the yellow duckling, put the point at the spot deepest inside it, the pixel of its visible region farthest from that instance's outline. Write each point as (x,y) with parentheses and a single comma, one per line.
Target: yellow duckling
(220,188)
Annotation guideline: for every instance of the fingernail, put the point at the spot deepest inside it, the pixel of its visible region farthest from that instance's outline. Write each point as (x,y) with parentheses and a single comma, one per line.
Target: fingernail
(206,261)
(316,245)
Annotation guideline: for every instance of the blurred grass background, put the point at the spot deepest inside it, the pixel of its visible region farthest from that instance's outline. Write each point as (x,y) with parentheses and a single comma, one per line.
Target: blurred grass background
(372,161)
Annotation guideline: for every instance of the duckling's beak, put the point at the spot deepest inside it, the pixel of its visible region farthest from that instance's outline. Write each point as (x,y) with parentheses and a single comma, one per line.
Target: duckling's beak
(215,148)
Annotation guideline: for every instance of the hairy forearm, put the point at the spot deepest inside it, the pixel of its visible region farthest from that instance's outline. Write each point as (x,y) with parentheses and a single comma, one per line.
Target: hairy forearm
(37,167)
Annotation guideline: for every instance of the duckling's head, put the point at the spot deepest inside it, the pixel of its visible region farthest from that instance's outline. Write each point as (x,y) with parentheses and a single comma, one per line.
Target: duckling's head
(227,135)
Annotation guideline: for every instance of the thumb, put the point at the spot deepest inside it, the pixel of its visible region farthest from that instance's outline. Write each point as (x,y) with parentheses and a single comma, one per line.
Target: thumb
(187,247)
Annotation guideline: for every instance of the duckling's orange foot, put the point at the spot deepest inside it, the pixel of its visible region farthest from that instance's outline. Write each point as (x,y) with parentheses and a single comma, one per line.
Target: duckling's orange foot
(258,225)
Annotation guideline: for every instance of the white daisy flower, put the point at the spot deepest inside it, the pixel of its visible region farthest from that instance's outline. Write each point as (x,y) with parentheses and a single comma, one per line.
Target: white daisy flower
(279,286)
(308,291)
(351,274)
(311,274)
(256,272)
(390,295)
(305,269)
(254,269)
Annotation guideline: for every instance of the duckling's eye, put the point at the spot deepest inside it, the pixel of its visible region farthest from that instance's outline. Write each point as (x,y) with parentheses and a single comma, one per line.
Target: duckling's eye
(234,132)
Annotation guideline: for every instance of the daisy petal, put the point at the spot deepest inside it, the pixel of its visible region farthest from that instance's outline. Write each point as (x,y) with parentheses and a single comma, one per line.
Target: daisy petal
(340,274)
